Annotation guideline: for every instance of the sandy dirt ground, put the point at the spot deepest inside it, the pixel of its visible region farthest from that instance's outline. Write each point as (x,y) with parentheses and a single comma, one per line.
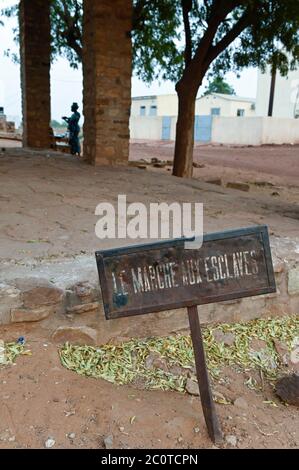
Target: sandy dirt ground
(39,399)
(48,200)
(47,205)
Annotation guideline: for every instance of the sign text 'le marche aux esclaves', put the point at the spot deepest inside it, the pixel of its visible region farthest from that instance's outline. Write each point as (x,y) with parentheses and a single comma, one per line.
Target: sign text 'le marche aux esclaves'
(148,278)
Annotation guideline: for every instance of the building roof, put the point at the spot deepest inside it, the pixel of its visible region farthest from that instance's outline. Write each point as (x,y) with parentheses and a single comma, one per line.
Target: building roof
(219,95)
(229,97)
(148,97)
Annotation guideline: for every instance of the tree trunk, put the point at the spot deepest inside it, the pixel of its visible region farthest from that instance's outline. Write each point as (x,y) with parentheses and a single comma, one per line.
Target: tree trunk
(184,142)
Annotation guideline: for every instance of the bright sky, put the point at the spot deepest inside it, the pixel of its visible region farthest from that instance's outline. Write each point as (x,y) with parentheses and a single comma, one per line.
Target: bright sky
(66,83)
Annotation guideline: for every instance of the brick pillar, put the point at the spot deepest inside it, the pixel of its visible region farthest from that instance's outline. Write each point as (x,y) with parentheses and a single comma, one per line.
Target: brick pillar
(107,69)
(35,72)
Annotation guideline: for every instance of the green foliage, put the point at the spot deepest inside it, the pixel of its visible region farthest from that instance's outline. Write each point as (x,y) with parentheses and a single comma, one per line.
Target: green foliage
(157,40)
(269,34)
(218,85)
(66,30)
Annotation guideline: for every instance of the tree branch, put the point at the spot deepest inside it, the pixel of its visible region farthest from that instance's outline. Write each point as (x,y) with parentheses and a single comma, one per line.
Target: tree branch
(234,32)
(187,7)
(197,67)
(218,12)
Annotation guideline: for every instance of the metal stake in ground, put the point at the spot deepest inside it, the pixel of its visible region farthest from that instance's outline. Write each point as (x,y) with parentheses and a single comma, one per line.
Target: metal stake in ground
(206,397)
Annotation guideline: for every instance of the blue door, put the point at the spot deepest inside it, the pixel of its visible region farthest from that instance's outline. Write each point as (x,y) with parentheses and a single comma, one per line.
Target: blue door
(203,128)
(166,124)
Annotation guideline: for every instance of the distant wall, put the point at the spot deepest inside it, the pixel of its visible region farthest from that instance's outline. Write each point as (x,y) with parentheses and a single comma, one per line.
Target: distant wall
(255,130)
(280,131)
(226,130)
(142,127)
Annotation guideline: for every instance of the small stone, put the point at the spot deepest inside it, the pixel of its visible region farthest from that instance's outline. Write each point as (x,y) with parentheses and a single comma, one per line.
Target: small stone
(180,439)
(12,439)
(196,430)
(287,388)
(217,181)
(226,338)
(83,290)
(231,440)
(78,309)
(177,370)
(72,435)
(240,402)
(108,442)
(282,351)
(121,428)
(192,387)
(21,315)
(5,435)
(219,397)
(37,292)
(294,356)
(159,165)
(50,442)
(198,165)
(41,296)
(236,185)
(257,344)
(155,361)
(80,335)
(293,281)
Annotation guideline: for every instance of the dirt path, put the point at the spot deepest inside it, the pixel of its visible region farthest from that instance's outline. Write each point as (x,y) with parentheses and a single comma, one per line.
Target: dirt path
(48,200)
(280,161)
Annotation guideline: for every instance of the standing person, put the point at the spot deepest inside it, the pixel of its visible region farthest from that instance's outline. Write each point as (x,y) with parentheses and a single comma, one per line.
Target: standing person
(74,129)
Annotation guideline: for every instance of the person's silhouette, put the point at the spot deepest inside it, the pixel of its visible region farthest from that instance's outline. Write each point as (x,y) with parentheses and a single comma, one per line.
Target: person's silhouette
(74,129)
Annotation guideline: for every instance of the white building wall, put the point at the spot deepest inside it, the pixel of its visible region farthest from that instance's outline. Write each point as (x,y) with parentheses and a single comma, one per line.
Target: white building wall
(286,92)
(146,101)
(280,131)
(254,130)
(167,105)
(146,127)
(226,130)
(237,130)
(228,107)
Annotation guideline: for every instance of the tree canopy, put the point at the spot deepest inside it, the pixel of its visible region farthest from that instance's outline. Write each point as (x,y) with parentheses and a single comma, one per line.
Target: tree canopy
(167,33)
(219,85)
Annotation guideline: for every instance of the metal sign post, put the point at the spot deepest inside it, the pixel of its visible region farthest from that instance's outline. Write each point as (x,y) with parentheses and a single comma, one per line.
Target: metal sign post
(141,279)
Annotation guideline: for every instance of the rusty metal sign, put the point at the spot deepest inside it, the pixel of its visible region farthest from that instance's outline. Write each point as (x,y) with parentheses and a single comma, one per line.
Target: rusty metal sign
(149,278)
(162,276)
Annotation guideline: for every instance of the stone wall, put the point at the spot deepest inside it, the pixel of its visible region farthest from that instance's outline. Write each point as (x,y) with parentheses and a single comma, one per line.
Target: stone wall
(71,309)
(35,71)
(107,80)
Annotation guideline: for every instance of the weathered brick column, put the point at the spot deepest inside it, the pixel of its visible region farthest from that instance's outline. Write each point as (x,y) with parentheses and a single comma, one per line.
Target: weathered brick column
(35,71)
(107,72)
